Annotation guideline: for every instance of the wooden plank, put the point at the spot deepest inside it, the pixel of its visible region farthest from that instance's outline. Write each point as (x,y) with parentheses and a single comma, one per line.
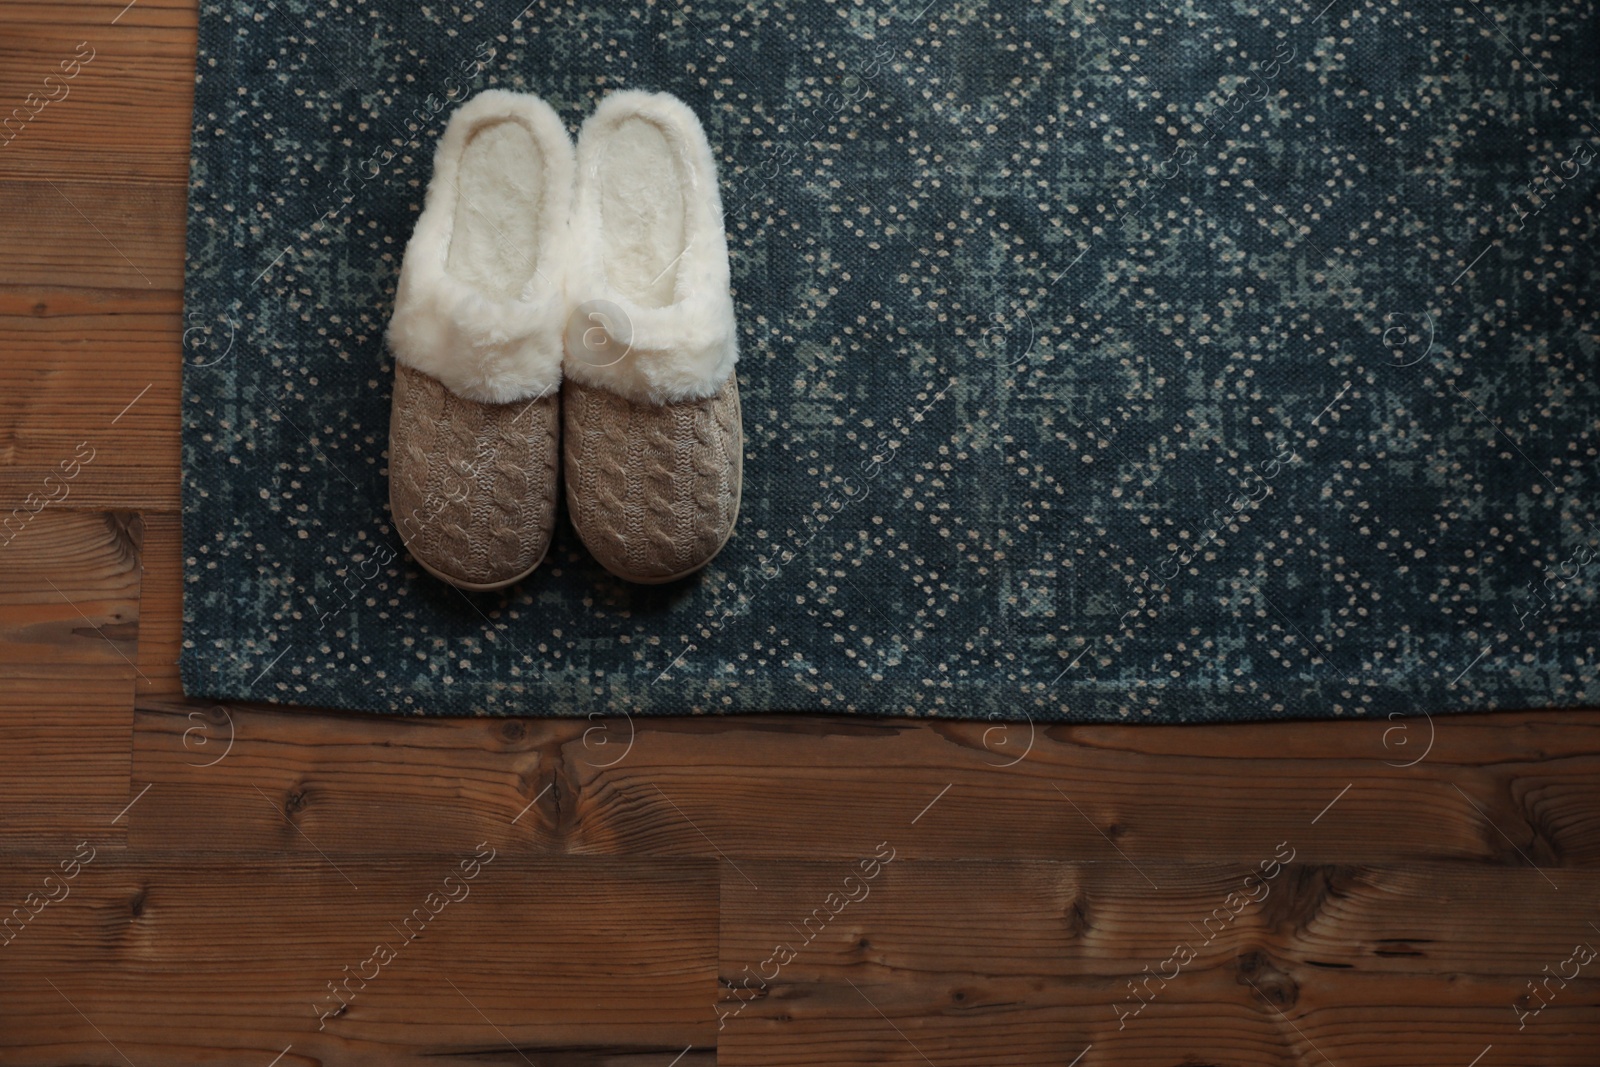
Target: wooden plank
(354,783)
(96,378)
(185,958)
(124,114)
(1439,1024)
(65,734)
(69,585)
(92,246)
(130,437)
(161,606)
(91,342)
(1109,919)
(69,627)
(829,787)
(1499,788)
(60,232)
(1010,963)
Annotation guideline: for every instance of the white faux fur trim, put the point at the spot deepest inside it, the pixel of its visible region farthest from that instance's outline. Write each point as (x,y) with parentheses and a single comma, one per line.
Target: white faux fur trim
(686,349)
(481,345)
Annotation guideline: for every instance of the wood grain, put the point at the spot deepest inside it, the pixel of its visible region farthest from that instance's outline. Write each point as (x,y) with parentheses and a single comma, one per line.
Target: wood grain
(1439,1022)
(121,236)
(834,788)
(65,738)
(1081,920)
(92,248)
(1004,963)
(1196,794)
(355,783)
(69,625)
(124,115)
(92,329)
(92,373)
(174,958)
(161,606)
(69,588)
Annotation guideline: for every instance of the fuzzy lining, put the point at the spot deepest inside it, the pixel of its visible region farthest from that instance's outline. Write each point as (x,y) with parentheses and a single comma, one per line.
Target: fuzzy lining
(486,318)
(648,256)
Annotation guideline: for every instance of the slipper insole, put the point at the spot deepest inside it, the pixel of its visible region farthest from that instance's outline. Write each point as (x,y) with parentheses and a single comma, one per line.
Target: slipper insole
(642,212)
(499,196)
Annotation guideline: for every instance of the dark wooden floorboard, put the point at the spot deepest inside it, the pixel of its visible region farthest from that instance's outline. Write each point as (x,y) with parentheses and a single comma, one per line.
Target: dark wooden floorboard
(69,631)
(914,961)
(171,958)
(1184,793)
(771,786)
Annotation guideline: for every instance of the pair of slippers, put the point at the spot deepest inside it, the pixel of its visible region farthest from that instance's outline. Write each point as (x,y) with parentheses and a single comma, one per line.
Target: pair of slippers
(564,315)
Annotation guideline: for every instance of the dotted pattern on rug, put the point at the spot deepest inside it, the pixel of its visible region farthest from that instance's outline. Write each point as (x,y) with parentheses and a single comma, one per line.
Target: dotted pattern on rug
(1185,364)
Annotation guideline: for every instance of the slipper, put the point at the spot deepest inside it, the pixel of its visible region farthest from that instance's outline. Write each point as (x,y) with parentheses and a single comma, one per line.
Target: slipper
(474,430)
(654,445)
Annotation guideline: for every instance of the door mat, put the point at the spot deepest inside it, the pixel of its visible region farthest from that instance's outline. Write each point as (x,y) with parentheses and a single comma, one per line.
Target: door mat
(1209,363)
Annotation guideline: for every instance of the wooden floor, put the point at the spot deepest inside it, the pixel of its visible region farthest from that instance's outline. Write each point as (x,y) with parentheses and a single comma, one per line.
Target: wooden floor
(196,884)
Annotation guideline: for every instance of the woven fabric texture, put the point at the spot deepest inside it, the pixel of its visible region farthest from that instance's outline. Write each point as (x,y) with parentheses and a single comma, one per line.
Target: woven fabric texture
(1100,362)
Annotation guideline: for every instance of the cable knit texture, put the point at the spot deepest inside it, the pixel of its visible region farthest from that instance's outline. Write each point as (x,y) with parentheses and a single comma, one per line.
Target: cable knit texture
(653,489)
(472,486)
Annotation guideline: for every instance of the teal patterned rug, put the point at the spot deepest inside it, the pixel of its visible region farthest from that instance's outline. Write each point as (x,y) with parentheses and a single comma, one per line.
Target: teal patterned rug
(1212,362)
